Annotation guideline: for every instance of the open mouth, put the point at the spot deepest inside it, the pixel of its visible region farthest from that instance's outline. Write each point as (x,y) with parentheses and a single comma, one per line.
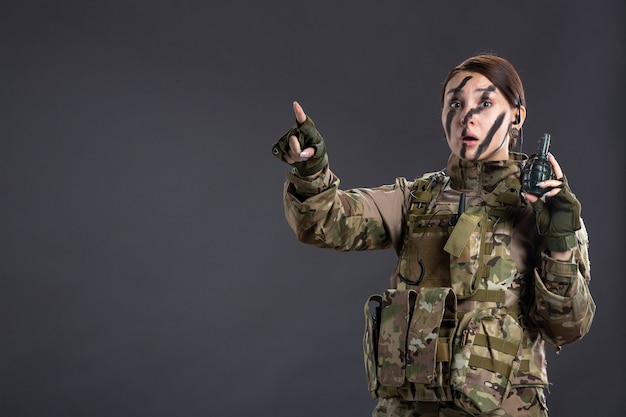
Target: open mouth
(469,139)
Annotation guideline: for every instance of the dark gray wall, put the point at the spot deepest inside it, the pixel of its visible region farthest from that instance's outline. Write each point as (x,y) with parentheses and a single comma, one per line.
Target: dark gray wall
(146,266)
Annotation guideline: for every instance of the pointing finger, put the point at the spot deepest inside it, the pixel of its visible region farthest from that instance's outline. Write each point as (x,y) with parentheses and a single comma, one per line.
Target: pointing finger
(299,112)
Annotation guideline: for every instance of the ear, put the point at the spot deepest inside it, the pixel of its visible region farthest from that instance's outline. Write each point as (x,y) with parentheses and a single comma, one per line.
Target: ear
(520,116)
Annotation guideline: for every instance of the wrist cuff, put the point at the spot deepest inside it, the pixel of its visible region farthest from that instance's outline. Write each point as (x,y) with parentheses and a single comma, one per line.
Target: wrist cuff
(561,243)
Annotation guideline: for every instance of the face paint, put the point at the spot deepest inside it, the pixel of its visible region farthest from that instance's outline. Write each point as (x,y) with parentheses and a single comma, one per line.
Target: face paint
(470,112)
(449,117)
(492,131)
(452,111)
(473,118)
(464,152)
(459,87)
(468,116)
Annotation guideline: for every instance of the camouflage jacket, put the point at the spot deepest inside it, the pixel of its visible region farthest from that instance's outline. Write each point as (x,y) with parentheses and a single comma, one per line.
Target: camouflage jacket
(550,298)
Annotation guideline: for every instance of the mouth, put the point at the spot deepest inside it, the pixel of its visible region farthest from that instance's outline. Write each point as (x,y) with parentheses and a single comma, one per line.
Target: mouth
(469,140)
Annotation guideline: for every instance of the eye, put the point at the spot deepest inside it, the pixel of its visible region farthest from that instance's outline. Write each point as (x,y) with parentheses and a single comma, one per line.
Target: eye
(486,103)
(455,104)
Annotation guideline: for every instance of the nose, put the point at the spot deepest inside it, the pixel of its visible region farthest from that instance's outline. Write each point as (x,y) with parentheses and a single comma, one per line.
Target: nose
(467,117)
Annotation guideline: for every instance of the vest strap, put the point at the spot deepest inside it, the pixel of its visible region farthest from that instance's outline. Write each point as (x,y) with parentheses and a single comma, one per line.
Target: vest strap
(490,364)
(497,296)
(496,343)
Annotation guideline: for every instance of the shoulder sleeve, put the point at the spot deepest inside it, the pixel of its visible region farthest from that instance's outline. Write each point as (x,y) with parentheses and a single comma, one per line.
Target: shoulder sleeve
(564,307)
(322,215)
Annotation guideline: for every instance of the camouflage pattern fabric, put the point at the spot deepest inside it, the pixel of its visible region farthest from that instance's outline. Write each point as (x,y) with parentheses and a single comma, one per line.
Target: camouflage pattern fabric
(486,355)
(564,312)
(544,299)
(408,342)
(434,315)
(370,341)
(394,325)
(520,402)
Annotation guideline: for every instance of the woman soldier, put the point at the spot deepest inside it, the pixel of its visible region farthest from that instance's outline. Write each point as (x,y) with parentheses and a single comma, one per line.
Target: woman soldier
(487,272)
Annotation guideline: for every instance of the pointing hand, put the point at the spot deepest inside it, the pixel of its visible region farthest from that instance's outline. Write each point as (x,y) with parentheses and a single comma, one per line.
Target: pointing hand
(302,146)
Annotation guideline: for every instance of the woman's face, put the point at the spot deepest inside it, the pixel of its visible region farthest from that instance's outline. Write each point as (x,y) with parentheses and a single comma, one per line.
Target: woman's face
(476,118)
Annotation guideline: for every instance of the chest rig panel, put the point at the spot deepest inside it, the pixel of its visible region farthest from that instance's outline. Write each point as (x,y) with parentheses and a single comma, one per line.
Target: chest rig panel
(444,332)
(457,240)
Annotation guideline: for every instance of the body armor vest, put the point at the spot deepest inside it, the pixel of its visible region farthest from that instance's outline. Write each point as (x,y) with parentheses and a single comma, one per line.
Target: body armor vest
(445,331)
(452,242)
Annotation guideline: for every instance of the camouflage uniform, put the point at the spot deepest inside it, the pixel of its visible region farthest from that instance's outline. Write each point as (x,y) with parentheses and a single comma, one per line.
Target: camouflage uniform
(495,281)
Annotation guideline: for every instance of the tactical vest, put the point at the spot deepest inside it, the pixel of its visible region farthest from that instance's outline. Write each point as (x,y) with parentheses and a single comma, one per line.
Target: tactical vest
(444,333)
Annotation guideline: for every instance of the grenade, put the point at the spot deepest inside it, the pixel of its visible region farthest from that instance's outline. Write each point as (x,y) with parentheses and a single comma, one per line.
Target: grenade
(537,169)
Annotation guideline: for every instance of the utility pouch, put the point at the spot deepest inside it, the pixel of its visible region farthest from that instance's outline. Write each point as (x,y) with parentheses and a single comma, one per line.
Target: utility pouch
(486,355)
(407,338)
(372,312)
(394,323)
(465,248)
(423,260)
(428,336)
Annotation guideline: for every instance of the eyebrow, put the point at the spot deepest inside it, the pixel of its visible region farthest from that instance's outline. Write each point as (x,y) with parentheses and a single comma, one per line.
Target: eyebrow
(489,89)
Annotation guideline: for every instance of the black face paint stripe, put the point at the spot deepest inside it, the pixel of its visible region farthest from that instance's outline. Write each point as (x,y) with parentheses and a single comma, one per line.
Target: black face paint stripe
(459,87)
(452,112)
(492,131)
(449,118)
(499,146)
(470,113)
(477,110)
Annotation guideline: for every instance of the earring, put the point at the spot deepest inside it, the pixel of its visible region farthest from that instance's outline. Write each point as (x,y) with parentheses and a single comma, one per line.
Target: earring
(514,133)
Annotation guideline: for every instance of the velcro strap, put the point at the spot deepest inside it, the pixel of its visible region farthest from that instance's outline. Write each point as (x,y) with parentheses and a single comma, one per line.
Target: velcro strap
(499,211)
(497,296)
(443,351)
(495,343)
(486,272)
(490,364)
(524,365)
(510,198)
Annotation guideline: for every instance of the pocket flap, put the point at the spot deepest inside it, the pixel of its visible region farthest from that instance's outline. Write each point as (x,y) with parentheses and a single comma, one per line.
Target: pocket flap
(392,337)
(433,307)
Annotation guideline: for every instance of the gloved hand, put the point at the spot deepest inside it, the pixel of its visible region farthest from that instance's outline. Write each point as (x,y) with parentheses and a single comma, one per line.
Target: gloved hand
(558,218)
(558,212)
(302,146)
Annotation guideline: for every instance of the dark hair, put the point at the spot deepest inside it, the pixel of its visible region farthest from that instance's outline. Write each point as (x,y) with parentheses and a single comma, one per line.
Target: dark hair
(499,71)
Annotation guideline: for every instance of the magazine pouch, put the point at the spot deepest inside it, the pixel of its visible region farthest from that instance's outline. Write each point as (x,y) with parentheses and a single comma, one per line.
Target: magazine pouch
(407,337)
(372,312)
(466,248)
(428,336)
(394,322)
(486,355)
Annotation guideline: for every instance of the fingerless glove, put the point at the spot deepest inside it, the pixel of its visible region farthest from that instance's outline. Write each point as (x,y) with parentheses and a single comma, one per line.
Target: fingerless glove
(309,137)
(558,218)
